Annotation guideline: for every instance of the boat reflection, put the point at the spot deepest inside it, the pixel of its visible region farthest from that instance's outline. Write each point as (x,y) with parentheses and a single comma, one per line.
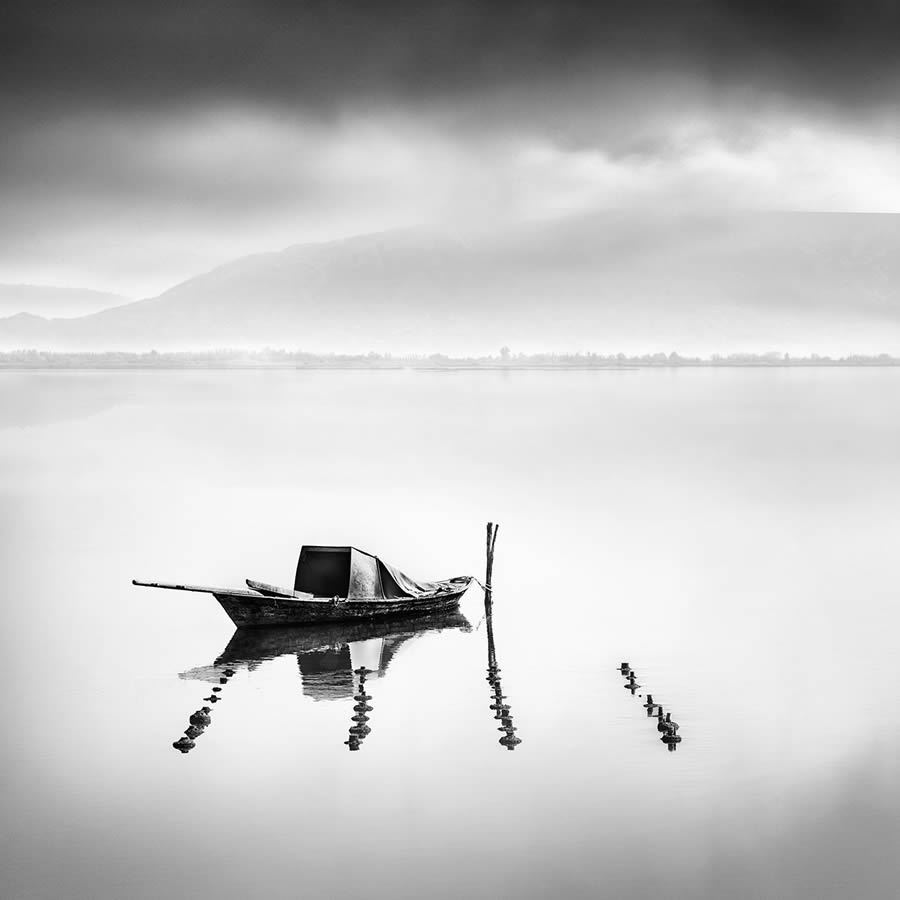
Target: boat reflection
(334,662)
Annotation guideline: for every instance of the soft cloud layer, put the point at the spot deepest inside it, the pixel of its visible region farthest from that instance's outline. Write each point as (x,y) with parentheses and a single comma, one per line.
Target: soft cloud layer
(136,203)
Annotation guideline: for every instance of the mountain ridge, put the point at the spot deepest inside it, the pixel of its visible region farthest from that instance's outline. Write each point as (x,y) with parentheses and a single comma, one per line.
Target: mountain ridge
(706,281)
(50,301)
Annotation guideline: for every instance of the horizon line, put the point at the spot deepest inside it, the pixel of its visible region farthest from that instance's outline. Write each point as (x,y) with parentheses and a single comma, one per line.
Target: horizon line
(269,357)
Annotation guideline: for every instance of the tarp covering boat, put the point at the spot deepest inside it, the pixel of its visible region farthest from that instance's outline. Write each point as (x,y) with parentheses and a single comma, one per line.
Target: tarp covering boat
(354,574)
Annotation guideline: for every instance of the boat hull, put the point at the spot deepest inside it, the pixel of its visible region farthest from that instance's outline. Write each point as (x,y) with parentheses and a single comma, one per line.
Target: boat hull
(249,611)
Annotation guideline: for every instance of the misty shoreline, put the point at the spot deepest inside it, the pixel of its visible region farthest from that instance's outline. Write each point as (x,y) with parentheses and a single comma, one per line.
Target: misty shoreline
(283,359)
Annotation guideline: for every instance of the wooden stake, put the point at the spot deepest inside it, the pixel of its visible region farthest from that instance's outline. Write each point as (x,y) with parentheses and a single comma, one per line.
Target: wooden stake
(492,530)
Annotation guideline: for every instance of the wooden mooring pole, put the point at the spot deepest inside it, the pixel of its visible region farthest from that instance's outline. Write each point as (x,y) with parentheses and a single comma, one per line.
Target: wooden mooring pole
(492,530)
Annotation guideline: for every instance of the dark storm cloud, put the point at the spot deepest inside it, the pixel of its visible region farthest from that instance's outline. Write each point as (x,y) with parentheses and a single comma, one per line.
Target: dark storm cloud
(325,54)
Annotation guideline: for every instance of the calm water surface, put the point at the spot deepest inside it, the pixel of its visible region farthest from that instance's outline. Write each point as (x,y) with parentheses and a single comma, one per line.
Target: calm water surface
(733,534)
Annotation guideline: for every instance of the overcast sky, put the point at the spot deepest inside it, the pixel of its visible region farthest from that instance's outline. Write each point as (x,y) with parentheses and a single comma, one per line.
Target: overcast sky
(144,142)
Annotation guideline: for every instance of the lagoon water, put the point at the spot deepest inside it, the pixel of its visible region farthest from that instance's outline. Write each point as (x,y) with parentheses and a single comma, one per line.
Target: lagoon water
(733,534)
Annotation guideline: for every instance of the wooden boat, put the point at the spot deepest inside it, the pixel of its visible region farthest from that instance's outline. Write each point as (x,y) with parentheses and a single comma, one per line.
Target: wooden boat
(332,584)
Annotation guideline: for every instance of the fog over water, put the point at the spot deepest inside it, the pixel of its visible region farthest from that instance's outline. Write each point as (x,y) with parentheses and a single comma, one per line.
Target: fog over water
(732,534)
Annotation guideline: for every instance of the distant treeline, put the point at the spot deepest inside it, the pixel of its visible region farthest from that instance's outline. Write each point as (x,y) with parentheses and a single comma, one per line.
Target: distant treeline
(297,359)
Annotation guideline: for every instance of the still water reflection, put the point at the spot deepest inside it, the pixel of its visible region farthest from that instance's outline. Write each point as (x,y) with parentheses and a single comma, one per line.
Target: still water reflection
(335,662)
(502,711)
(731,534)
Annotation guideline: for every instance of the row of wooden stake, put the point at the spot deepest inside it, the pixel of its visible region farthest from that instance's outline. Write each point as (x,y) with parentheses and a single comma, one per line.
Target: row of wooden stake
(664,721)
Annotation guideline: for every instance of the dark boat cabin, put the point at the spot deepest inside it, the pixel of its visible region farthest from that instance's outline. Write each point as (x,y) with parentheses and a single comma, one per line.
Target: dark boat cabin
(348,572)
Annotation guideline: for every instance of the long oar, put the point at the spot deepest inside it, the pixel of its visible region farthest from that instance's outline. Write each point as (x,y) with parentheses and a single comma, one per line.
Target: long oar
(199,588)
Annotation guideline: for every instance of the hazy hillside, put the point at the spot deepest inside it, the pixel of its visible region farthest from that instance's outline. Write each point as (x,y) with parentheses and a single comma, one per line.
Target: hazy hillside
(701,283)
(52,302)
